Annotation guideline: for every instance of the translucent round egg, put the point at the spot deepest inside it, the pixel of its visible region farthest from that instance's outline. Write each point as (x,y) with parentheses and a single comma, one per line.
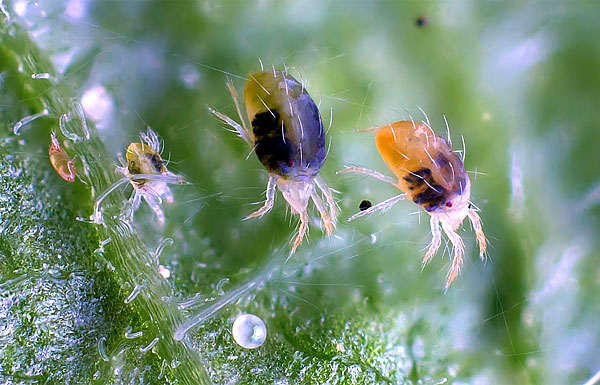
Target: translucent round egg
(249,331)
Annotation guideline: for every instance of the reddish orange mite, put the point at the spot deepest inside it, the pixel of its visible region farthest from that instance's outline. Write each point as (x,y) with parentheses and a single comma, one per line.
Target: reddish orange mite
(60,160)
(430,174)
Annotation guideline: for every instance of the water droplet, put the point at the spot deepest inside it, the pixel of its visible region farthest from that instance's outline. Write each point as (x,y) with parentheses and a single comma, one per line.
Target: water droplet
(249,331)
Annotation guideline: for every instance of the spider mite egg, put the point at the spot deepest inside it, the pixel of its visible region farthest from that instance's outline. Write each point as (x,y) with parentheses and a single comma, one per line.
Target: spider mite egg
(249,331)
(287,135)
(430,174)
(60,160)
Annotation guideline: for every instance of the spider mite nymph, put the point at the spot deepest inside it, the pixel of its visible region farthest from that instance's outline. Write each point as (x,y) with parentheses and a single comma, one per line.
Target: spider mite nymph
(63,165)
(286,133)
(431,175)
(147,172)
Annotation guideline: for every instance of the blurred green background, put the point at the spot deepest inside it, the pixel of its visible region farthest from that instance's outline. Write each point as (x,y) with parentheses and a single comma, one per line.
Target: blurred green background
(520,81)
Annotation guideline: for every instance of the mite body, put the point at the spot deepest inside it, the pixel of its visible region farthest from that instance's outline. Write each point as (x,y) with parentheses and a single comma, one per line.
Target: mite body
(287,135)
(430,174)
(60,160)
(148,174)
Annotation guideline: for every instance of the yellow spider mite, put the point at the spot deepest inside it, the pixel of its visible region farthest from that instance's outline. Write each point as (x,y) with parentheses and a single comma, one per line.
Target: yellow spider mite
(286,133)
(148,174)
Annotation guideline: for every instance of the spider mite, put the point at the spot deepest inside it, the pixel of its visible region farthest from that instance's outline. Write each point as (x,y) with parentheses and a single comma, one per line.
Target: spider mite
(148,174)
(286,133)
(431,175)
(60,160)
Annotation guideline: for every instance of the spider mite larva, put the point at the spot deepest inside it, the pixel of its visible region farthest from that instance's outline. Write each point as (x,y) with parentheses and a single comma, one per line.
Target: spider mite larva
(60,160)
(288,138)
(148,174)
(431,175)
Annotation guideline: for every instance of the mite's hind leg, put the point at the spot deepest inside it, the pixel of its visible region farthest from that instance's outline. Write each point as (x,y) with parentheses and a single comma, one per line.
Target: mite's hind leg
(270,193)
(302,229)
(459,250)
(436,240)
(132,205)
(476,221)
(385,205)
(325,216)
(154,201)
(365,171)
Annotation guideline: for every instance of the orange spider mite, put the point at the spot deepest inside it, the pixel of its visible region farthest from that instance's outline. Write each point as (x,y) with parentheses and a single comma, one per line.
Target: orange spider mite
(430,174)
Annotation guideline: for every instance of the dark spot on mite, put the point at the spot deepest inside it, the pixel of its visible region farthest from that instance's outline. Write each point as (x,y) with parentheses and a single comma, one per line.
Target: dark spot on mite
(430,194)
(431,197)
(421,22)
(155,161)
(416,178)
(364,205)
(132,167)
(275,153)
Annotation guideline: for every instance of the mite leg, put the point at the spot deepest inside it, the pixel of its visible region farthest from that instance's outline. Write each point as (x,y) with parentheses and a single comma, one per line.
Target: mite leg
(303,228)
(436,240)
(459,250)
(476,221)
(167,194)
(236,100)
(132,205)
(327,221)
(385,205)
(242,130)
(154,202)
(328,197)
(371,173)
(270,193)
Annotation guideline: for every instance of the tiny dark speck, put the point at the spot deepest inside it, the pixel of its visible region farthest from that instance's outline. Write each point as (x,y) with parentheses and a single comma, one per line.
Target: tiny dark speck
(364,205)
(421,22)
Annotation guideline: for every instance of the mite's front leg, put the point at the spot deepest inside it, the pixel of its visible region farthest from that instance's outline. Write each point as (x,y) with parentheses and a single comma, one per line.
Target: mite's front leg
(270,193)
(385,205)
(365,171)
(436,240)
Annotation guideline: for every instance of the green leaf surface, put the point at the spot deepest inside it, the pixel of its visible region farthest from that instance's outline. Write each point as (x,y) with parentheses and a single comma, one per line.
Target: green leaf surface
(101,303)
